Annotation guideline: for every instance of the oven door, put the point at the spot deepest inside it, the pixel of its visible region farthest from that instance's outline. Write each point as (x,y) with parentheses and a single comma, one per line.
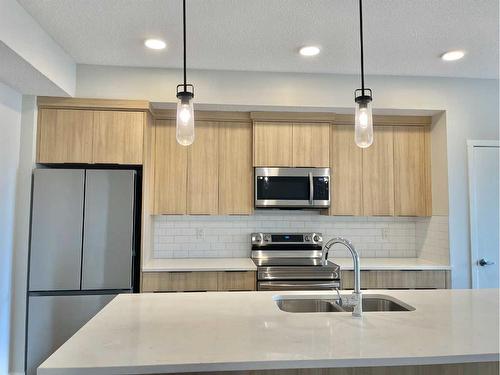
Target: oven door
(292,187)
(298,285)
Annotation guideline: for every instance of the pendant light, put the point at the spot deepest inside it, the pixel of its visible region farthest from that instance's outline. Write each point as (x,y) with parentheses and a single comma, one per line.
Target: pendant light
(363,119)
(185,93)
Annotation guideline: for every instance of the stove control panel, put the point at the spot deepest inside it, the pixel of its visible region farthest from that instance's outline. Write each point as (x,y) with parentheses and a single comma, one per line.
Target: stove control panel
(263,239)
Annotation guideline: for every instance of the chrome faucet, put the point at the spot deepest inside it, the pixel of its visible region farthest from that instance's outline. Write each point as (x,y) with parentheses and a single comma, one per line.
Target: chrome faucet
(354,300)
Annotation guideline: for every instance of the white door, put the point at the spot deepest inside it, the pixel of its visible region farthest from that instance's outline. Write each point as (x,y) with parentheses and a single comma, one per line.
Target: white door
(484,212)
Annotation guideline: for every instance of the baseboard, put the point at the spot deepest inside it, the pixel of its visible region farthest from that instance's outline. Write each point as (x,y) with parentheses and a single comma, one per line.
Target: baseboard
(16,373)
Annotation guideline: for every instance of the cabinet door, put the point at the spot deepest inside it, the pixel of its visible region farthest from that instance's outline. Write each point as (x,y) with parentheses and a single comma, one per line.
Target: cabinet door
(64,136)
(203,170)
(410,171)
(170,170)
(346,172)
(310,145)
(236,280)
(378,174)
(118,137)
(272,144)
(235,168)
(179,281)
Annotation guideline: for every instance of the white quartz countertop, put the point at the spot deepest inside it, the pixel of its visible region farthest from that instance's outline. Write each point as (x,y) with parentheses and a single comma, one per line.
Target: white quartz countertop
(188,332)
(380,264)
(246,264)
(199,264)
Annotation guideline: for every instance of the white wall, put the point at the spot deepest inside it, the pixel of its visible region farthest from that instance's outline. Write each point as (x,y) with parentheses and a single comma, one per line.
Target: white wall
(10,127)
(471,107)
(21,233)
(22,34)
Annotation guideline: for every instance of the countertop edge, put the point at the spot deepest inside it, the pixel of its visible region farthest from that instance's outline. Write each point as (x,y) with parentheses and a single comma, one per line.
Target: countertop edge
(274,365)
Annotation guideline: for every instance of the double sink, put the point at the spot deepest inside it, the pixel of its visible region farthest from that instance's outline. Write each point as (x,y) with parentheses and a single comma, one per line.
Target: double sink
(311,304)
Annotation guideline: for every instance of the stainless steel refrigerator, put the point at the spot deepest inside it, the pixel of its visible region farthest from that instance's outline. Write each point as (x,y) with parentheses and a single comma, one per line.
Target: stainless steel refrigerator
(81,252)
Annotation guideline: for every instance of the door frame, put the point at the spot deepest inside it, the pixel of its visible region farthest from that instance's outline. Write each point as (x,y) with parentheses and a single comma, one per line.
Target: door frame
(471,144)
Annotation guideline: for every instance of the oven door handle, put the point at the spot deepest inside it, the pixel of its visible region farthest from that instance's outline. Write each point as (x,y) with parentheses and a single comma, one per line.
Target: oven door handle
(274,285)
(311,188)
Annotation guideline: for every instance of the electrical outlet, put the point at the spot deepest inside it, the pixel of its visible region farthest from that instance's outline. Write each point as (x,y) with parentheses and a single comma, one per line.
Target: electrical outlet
(385,233)
(200,234)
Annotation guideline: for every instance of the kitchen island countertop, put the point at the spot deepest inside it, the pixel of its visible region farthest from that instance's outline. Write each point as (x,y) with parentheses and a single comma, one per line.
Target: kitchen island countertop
(188,332)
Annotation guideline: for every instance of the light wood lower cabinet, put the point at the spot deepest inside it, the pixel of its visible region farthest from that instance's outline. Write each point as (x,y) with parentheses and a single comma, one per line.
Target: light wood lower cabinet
(237,280)
(198,281)
(410,279)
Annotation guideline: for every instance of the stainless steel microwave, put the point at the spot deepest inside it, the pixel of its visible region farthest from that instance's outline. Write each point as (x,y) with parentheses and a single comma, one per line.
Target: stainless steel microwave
(292,187)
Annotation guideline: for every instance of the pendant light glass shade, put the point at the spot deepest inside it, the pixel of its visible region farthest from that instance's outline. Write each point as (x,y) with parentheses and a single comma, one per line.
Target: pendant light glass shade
(363,124)
(185,119)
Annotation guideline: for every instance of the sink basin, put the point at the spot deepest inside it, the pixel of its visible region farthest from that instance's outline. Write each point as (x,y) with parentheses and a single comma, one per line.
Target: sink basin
(311,304)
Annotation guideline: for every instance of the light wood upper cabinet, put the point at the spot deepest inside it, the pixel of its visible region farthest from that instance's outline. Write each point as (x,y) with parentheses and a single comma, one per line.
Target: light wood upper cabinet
(272,144)
(310,145)
(235,168)
(170,170)
(346,172)
(412,188)
(203,170)
(118,137)
(64,136)
(378,176)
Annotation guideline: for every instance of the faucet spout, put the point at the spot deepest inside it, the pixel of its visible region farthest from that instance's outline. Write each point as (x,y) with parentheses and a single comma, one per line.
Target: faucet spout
(356,297)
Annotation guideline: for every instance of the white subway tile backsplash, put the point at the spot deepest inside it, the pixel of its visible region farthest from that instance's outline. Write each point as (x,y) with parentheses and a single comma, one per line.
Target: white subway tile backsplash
(228,236)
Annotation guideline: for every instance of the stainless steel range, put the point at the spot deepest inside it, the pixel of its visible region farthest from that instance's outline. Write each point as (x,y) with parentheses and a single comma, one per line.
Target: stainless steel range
(292,261)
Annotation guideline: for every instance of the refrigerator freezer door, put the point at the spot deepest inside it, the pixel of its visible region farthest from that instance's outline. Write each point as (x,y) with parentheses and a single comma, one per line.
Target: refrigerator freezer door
(52,320)
(108,230)
(56,229)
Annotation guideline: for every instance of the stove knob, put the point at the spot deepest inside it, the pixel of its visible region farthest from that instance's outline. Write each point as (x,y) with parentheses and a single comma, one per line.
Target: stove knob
(317,238)
(307,238)
(267,238)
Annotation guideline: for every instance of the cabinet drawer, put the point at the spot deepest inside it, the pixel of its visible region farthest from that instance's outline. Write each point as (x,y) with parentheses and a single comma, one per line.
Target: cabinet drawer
(179,281)
(239,280)
(397,279)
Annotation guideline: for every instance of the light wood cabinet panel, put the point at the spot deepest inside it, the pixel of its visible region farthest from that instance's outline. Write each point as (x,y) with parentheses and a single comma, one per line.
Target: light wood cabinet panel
(378,178)
(179,281)
(410,171)
(203,170)
(170,170)
(118,137)
(234,281)
(397,279)
(346,172)
(272,144)
(64,136)
(235,168)
(310,146)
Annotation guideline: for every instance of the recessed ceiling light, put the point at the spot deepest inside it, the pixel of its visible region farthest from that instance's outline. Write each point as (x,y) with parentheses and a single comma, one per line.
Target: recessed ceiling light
(155,43)
(309,51)
(453,55)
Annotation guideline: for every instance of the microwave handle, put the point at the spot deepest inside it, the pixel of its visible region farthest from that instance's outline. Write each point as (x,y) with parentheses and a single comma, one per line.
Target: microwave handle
(311,188)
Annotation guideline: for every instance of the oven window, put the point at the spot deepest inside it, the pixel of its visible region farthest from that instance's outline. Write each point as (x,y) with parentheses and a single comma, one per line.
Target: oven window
(283,188)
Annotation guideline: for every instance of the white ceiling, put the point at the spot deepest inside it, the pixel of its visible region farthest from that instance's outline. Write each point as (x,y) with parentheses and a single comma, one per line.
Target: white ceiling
(402,37)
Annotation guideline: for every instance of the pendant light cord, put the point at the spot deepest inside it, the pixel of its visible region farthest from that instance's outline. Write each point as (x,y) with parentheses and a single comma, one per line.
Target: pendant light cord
(361,42)
(184,35)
